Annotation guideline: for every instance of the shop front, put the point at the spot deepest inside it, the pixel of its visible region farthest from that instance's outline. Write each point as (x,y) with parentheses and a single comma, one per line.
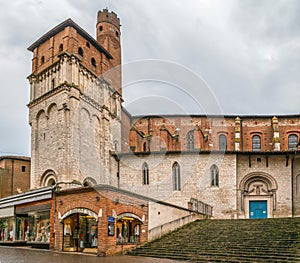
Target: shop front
(128,228)
(33,225)
(7,225)
(25,218)
(80,230)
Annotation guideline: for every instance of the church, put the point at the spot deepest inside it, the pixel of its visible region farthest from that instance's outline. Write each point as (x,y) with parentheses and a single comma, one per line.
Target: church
(101,177)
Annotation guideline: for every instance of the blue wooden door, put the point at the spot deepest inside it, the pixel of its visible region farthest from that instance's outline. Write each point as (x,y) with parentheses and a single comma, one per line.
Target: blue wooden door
(258,209)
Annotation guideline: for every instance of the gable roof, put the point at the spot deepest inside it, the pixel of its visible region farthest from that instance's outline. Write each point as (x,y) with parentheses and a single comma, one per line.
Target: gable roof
(60,27)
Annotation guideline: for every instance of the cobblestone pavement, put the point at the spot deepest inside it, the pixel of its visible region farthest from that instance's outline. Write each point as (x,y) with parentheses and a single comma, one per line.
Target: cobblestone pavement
(27,255)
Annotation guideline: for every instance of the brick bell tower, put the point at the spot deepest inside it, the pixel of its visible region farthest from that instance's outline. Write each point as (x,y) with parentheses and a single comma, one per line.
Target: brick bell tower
(75,104)
(108,35)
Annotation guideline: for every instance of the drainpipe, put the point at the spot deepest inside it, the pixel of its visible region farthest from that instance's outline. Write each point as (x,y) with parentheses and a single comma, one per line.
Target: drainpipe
(292,182)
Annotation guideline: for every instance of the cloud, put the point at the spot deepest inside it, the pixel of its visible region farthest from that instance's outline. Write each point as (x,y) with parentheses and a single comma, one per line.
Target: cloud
(248,52)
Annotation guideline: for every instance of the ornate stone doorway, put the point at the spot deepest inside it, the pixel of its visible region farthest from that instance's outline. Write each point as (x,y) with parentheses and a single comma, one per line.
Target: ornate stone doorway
(258,195)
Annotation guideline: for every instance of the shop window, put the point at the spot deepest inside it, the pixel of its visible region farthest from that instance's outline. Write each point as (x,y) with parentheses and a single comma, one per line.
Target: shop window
(222,142)
(33,227)
(293,142)
(145,174)
(7,229)
(176,177)
(190,140)
(128,228)
(214,174)
(256,143)
(80,231)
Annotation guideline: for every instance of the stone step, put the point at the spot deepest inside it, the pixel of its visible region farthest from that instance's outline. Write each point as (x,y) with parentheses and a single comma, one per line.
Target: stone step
(268,240)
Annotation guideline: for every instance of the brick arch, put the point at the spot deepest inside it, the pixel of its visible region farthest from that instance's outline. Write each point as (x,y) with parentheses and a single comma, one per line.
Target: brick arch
(79,204)
(130,209)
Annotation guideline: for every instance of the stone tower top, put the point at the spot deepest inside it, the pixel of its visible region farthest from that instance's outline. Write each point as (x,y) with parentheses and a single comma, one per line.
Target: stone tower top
(108,36)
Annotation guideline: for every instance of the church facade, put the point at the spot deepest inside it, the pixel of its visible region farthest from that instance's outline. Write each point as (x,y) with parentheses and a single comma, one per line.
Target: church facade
(101,177)
(243,166)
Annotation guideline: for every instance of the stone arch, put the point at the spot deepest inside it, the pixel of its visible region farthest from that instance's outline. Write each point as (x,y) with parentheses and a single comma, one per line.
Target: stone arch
(40,114)
(51,108)
(258,186)
(258,176)
(48,178)
(89,182)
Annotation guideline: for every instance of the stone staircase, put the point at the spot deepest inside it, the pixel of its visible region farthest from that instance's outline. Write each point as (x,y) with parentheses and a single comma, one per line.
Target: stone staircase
(255,240)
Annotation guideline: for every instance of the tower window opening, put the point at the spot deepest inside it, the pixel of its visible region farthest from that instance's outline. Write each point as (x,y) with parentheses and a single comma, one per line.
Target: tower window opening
(87,44)
(23,168)
(117,34)
(52,84)
(101,28)
(42,60)
(93,62)
(61,48)
(80,51)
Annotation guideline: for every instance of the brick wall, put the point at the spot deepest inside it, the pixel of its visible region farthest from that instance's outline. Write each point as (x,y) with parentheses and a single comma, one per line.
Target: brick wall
(14,175)
(103,207)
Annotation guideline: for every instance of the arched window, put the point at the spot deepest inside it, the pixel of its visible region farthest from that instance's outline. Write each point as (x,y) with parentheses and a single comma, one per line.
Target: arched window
(93,62)
(51,182)
(256,143)
(293,142)
(222,142)
(176,177)
(80,51)
(61,48)
(190,140)
(214,174)
(145,173)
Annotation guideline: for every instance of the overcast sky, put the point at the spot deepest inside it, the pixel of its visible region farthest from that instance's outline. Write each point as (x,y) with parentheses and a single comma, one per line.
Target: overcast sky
(246,53)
